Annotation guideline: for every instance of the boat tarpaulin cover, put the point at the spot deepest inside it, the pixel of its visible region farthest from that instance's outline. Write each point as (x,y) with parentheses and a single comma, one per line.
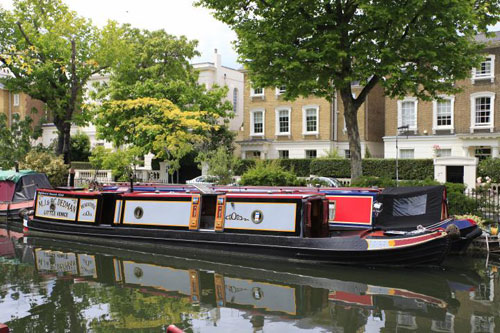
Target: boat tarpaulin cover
(408,207)
(26,182)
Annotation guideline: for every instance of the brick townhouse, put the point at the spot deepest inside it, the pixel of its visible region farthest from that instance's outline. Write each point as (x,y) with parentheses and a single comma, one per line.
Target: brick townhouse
(307,127)
(18,103)
(464,125)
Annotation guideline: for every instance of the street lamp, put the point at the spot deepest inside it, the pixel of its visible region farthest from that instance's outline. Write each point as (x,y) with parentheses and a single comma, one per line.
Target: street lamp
(397,151)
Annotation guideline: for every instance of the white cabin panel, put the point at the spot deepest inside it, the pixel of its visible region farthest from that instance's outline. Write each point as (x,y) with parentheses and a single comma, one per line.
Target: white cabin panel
(161,213)
(262,216)
(88,210)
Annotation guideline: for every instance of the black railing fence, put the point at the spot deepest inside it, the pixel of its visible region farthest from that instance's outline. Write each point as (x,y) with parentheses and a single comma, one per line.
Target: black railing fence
(486,203)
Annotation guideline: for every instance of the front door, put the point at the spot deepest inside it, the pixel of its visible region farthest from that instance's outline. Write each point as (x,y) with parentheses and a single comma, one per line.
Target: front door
(455,174)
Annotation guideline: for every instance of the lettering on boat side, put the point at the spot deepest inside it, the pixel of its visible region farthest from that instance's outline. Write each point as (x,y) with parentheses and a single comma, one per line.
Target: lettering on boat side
(56,207)
(235,217)
(87,211)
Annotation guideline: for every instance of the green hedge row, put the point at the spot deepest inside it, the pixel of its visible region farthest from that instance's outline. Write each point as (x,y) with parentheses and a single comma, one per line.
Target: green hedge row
(410,169)
(81,165)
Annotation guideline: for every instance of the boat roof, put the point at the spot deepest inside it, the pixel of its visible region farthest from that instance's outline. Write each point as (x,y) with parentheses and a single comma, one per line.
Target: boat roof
(14,176)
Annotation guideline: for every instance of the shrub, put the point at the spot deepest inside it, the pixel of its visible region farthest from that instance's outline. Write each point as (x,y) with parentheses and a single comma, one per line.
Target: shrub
(221,163)
(81,165)
(243,166)
(490,167)
(301,167)
(458,202)
(370,181)
(53,166)
(269,174)
(120,162)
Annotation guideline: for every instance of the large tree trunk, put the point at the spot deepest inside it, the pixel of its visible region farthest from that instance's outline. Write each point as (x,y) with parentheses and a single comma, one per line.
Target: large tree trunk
(351,122)
(67,143)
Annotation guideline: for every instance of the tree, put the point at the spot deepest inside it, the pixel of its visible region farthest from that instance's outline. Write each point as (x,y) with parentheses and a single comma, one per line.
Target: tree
(16,139)
(80,147)
(121,162)
(157,66)
(52,53)
(221,163)
(153,125)
(319,47)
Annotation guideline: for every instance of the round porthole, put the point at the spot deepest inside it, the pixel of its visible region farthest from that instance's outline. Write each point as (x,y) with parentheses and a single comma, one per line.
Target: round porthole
(138,212)
(257,216)
(138,272)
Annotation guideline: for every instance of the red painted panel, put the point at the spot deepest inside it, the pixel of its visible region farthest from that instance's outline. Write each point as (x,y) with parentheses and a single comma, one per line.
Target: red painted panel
(346,297)
(352,209)
(7,190)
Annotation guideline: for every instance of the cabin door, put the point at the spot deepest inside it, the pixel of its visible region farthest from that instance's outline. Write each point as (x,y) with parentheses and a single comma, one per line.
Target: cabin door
(208,208)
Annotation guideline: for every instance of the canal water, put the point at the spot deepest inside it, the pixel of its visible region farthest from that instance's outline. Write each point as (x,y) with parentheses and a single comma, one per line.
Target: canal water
(49,285)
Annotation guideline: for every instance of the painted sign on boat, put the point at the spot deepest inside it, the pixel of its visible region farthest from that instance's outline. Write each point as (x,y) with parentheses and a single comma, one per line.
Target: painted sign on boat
(264,216)
(55,207)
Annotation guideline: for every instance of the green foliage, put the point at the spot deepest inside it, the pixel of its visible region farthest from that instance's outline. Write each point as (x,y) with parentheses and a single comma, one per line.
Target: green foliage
(221,163)
(16,139)
(53,166)
(301,167)
(371,181)
(153,126)
(334,153)
(121,162)
(81,165)
(269,174)
(409,169)
(157,67)
(458,202)
(52,52)
(244,166)
(80,147)
(319,47)
(490,167)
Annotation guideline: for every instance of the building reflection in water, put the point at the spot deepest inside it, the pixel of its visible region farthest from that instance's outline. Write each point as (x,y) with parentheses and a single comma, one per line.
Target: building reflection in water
(48,285)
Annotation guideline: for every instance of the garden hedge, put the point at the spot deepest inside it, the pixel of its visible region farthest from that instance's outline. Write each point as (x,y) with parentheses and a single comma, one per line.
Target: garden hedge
(81,165)
(409,169)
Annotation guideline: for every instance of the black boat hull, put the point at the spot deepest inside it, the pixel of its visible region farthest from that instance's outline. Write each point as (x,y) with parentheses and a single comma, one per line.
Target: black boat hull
(341,250)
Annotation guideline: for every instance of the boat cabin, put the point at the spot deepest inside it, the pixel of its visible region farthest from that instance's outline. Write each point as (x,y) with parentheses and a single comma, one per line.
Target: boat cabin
(292,214)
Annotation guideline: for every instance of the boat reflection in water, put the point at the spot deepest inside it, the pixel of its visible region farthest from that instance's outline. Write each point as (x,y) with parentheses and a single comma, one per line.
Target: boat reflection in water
(77,288)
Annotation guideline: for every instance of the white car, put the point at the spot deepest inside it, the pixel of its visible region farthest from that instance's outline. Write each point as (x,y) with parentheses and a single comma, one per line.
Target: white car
(203,180)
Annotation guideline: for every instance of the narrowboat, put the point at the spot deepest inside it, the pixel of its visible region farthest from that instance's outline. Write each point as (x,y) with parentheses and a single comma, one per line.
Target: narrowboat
(17,190)
(289,224)
(394,209)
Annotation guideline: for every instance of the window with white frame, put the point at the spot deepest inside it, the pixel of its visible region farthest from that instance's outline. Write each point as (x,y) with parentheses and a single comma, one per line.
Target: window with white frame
(486,70)
(16,100)
(406,153)
(283,154)
(283,121)
(235,100)
(256,92)
(407,113)
(443,110)
(443,152)
(347,153)
(280,90)
(310,116)
(311,153)
(257,122)
(482,110)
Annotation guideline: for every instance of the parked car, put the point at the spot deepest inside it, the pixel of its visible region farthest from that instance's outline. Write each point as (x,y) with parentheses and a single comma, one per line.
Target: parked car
(203,180)
(323,181)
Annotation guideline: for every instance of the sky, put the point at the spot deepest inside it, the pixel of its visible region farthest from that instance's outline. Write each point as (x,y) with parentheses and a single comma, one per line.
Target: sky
(177,17)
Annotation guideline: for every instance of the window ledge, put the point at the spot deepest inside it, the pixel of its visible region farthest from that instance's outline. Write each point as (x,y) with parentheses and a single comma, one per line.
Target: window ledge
(443,128)
(257,96)
(476,127)
(283,134)
(483,78)
(257,134)
(310,134)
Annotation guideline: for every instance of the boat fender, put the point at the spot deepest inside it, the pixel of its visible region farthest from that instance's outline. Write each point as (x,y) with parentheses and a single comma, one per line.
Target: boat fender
(453,231)
(174,329)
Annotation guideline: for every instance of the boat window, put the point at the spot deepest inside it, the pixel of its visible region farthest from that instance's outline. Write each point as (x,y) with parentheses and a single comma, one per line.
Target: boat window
(316,221)
(410,206)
